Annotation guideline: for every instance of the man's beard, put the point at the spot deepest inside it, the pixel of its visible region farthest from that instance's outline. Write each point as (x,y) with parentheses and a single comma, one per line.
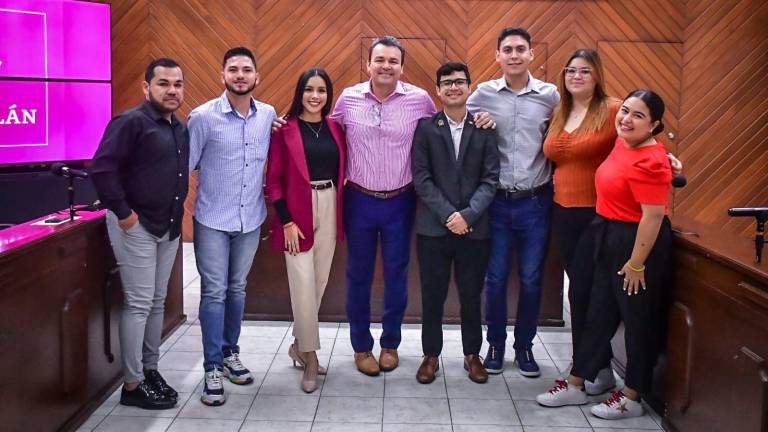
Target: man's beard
(233,90)
(158,105)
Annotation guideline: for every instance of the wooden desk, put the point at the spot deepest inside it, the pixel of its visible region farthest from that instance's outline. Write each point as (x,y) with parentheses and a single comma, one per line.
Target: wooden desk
(60,302)
(717,347)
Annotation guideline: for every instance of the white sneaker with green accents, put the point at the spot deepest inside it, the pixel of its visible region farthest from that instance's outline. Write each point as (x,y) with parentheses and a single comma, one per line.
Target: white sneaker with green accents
(213,389)
(235,371)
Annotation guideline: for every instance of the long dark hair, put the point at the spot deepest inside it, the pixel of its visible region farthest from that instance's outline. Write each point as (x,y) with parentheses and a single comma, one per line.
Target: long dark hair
(297,107)
(655,105)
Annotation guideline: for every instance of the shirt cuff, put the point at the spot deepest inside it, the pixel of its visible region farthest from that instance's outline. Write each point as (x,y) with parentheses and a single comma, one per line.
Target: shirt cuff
(122,210)
(282,211)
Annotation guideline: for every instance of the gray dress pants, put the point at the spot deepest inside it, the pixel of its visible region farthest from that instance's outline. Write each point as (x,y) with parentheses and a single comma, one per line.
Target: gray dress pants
(145,263)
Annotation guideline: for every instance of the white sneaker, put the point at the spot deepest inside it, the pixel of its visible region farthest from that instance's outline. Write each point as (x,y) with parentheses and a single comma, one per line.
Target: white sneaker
(235,371)
(562,394)
(604,382)
(213,389)
(616,407)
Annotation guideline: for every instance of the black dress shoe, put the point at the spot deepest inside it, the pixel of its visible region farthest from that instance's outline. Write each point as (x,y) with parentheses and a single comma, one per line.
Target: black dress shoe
(147,397)
(153,377)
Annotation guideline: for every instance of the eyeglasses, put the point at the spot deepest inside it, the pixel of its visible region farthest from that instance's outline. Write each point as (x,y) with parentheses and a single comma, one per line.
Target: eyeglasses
(572,71)
(446,84)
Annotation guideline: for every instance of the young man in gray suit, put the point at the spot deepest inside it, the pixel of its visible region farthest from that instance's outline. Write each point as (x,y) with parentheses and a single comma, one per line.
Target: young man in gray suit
(455,172)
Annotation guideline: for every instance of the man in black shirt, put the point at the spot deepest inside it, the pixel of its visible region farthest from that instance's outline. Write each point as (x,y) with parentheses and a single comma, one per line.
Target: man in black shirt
(140,172)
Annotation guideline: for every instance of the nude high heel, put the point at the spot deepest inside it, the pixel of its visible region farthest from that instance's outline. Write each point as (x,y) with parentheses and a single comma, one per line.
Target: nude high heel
(309,380)
(299,362)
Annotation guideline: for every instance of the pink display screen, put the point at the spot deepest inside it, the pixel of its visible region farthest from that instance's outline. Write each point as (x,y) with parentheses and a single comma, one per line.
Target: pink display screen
(55,73)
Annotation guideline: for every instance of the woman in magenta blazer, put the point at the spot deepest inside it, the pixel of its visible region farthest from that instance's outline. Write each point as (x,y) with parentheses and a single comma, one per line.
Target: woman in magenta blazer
(305,174)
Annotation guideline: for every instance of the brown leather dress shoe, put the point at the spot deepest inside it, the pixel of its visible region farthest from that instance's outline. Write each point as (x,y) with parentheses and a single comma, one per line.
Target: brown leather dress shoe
(366,363)
(388,359)
(474,366)
(429,367)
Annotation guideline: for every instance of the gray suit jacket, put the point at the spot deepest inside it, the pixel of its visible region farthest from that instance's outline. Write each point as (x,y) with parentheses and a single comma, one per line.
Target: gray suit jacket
(446,184)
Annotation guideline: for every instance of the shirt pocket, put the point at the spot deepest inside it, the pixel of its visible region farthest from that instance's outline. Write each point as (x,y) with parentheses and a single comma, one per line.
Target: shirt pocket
(258,143)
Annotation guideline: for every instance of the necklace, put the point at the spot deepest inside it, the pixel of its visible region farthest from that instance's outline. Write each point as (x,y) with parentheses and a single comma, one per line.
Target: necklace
(316,132)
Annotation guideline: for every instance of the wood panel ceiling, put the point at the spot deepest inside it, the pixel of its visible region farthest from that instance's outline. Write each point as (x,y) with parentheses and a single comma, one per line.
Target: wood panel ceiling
(722,110)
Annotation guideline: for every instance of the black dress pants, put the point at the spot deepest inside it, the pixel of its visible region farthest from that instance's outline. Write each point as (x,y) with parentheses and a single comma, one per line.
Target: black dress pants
(469,259)
(609,304)
(575,246)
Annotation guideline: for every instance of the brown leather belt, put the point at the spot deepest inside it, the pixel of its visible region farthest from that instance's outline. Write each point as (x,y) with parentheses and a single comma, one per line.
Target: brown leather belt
(322,186)
(380,194)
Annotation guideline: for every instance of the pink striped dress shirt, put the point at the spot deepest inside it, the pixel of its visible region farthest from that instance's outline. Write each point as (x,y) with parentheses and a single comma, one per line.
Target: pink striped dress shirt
(380,133)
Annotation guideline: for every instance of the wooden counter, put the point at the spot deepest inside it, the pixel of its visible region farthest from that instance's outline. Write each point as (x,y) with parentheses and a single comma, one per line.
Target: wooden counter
(717,346)
(60,302)
(268,297)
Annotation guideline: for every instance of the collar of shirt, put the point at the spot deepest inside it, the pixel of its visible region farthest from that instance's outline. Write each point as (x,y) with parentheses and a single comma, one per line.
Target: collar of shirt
(457,125)
(226,106)
(533,85)
(155,115)
(399,89)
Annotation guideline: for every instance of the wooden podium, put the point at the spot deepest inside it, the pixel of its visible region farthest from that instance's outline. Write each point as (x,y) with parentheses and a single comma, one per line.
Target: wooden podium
(60,304)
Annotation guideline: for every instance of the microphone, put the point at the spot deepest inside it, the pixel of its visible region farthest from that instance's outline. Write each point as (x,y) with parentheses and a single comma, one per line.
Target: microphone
(63,170)
(679,181)
(758,212)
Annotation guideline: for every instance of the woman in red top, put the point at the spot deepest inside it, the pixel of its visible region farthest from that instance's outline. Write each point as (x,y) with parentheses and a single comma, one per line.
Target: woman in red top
(305,171)
(580,137)
(632,249)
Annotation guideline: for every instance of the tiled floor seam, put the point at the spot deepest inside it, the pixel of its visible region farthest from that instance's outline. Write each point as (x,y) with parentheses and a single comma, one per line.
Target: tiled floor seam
(447,396)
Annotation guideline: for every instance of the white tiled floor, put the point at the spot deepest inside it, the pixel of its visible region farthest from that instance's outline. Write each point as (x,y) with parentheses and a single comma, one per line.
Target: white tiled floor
(348,400)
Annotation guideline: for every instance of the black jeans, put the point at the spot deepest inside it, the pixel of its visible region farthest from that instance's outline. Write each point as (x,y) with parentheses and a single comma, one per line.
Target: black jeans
(575,246)
(609,304)
(469,258)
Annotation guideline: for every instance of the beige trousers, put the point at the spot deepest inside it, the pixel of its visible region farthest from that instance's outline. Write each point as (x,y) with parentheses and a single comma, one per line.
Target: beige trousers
(308,271)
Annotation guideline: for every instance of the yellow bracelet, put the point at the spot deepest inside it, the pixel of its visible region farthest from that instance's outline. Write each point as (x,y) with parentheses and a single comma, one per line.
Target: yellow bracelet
(639,269)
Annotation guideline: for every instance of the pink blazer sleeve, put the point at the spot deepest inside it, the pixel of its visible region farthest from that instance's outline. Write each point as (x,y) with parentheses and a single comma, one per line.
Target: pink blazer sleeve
(275,166)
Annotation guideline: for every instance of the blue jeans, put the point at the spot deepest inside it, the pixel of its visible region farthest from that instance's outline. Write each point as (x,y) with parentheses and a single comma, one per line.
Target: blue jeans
(366,220)
(523,226)
(223,261)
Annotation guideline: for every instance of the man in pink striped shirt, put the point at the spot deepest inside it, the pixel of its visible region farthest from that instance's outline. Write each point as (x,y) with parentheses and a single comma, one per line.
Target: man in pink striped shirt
(379,117)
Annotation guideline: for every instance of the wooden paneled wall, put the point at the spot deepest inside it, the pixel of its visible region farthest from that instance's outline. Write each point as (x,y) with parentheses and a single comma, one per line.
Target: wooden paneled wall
(708,59)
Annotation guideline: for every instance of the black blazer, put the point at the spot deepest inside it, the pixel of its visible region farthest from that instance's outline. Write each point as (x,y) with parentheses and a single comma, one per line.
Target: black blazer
(446,184)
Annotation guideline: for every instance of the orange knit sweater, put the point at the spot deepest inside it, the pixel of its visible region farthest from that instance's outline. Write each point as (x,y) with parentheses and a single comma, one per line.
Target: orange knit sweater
(576,158)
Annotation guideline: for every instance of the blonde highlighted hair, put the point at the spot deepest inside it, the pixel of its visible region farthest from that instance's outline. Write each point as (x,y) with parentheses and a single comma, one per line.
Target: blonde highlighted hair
(597,112)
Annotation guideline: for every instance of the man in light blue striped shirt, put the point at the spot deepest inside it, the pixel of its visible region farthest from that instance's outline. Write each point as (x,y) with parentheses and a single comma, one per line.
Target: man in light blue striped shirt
(229,140)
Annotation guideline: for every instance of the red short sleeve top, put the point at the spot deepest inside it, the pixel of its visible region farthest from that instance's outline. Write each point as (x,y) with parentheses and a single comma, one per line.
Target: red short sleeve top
(630,177)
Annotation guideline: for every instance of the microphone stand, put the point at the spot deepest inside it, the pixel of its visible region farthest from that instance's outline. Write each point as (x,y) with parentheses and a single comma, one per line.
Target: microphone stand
(71,196)
(760,236)
(761,217)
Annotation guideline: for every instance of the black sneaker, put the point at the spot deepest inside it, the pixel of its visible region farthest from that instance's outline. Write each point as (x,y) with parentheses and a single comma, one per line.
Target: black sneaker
(153,377)
(147,397)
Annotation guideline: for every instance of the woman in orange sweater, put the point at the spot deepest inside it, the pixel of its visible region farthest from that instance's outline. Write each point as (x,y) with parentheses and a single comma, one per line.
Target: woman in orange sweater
(580,137)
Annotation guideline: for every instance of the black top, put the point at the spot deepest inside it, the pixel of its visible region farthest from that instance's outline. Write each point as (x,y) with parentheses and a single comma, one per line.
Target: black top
(322,155)
(142,165)
(321,151)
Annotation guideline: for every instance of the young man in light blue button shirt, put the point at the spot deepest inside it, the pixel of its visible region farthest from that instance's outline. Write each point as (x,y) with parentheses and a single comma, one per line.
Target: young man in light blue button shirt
(229,140)
(520,213)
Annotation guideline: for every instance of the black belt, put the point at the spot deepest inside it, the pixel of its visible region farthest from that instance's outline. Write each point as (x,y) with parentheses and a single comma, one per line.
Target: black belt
(321,186)
(516,194)
(380,194)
